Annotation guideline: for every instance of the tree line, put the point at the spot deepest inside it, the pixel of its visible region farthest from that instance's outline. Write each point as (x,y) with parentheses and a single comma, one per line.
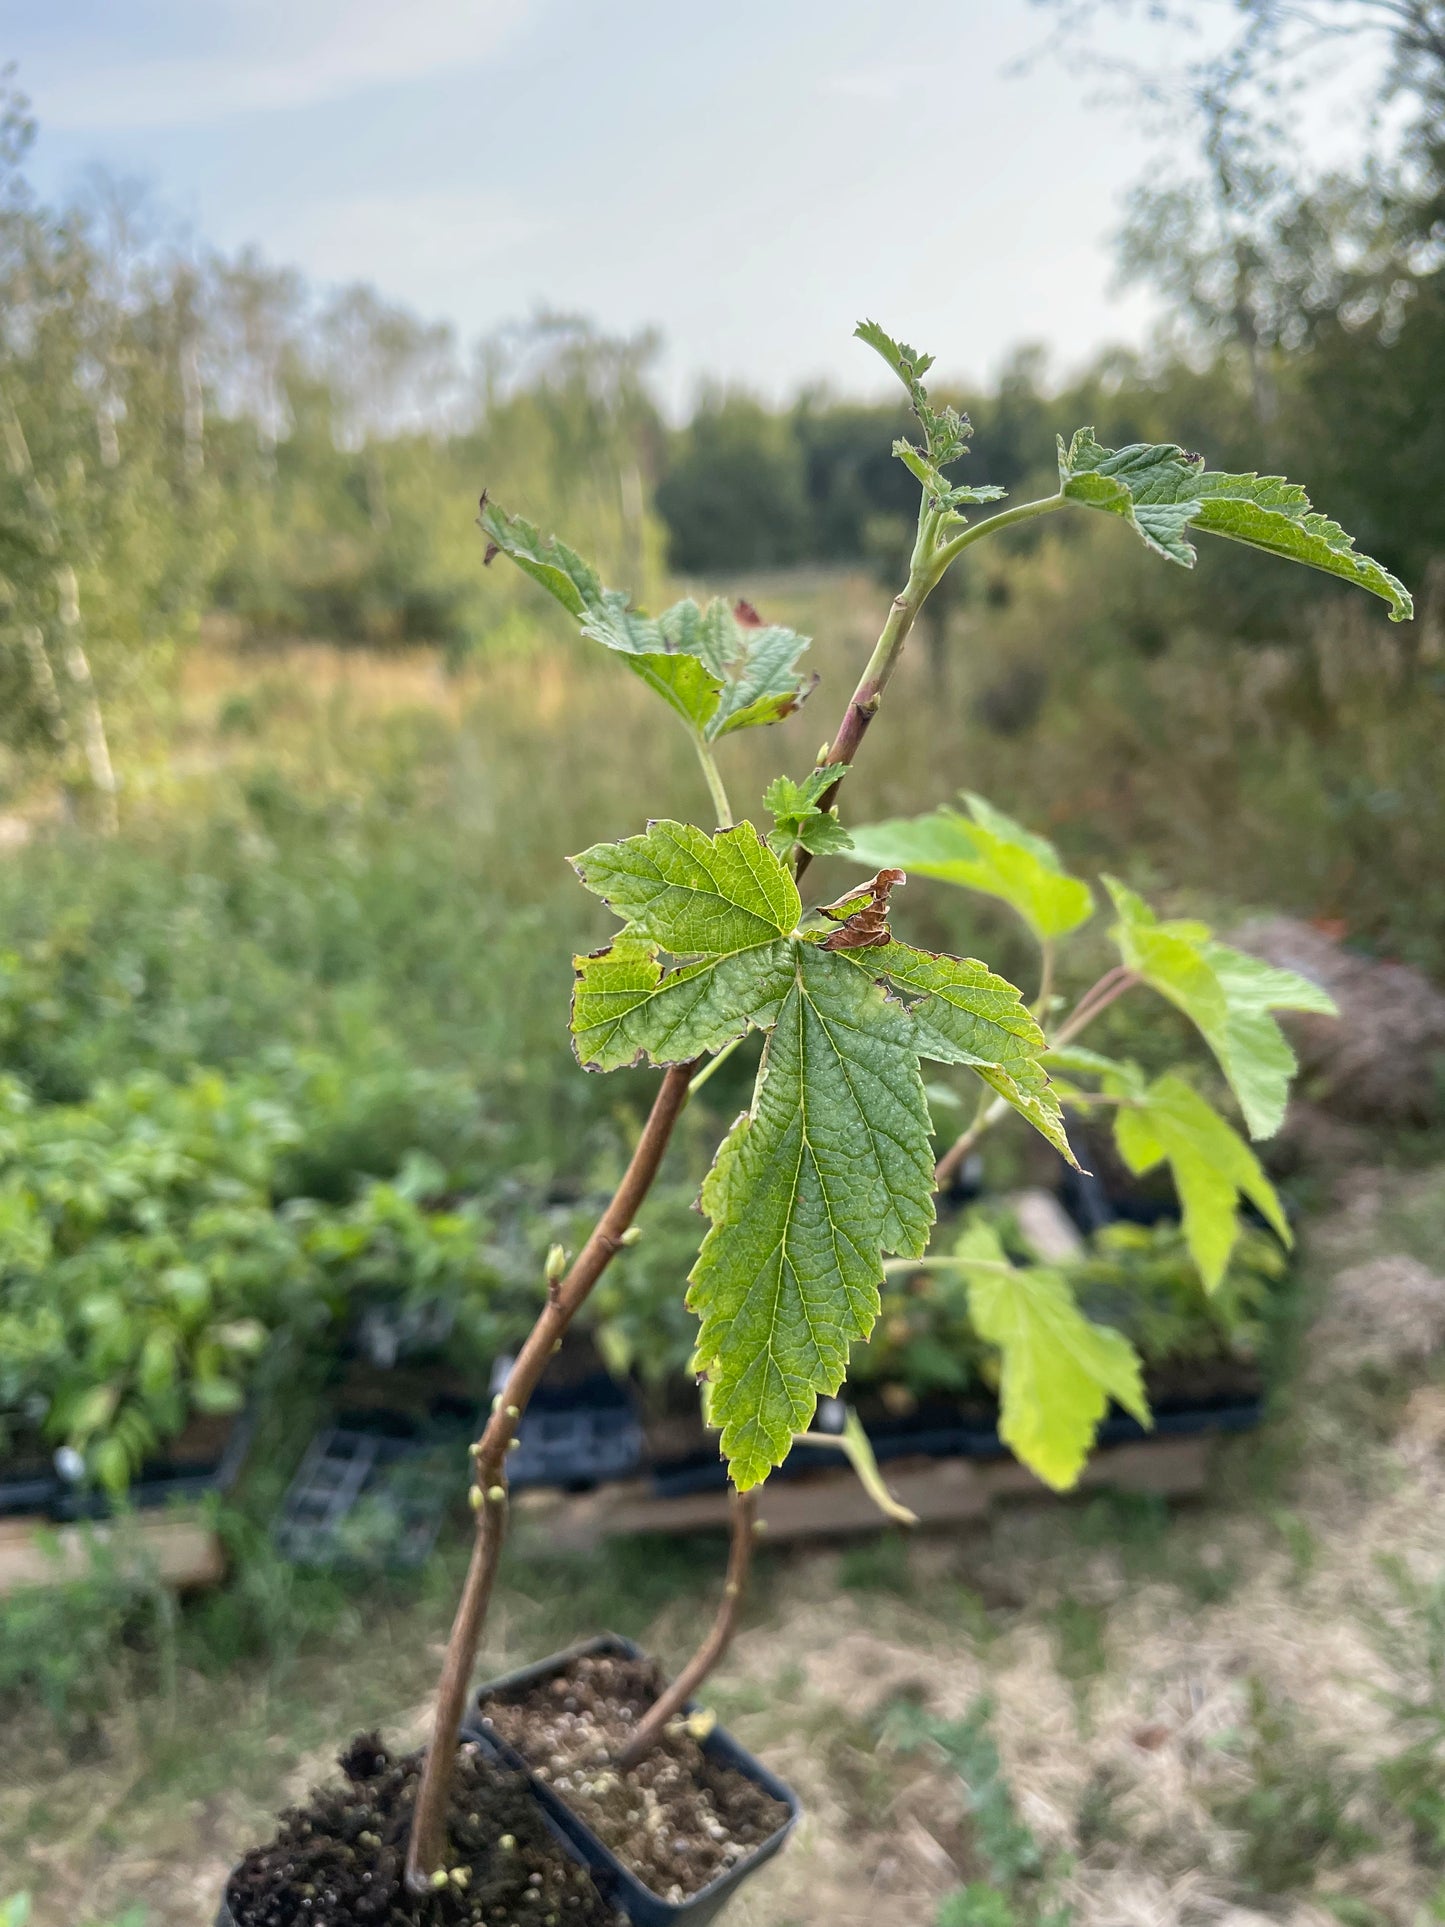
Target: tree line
(184,433)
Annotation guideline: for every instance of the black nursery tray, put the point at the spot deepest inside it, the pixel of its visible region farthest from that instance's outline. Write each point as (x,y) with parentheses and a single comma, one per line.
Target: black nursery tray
(935,1432)
(206,1461)
(577,1436)
(642,1906)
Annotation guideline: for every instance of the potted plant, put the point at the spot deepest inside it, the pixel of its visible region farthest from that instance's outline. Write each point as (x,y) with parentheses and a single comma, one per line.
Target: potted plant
(830,1173)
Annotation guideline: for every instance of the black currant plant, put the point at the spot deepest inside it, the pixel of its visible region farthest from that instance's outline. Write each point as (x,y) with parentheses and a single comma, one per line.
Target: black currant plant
(829,1177)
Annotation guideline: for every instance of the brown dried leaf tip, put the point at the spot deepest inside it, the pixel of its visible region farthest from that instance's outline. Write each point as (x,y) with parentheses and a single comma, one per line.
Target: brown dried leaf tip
(746,616)
(863,919)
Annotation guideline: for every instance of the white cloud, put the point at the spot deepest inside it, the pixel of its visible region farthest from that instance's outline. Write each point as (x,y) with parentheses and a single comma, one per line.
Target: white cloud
(249,56)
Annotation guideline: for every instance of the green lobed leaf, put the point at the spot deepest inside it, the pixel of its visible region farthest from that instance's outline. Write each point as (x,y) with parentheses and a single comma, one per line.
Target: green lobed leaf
(720,906)
(1162,492)
(967,1015)
(1057,1369)
(692,893)
(1230,998)
(719,668)
(799,818)
(832,1165)
(628,1008)
(985,851)
(1212,1166)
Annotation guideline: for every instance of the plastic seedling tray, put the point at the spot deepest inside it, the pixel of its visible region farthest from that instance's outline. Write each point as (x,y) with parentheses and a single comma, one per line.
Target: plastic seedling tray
(617,1884)
(365,1494)
(577,1436)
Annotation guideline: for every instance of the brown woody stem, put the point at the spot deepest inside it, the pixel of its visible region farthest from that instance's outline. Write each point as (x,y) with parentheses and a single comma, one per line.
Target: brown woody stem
(563,1303)
(670,1702)
(863,706)
(1097,998)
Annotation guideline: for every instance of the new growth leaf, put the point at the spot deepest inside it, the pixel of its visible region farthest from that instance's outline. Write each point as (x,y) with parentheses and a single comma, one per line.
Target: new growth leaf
(945,432)
(720,668)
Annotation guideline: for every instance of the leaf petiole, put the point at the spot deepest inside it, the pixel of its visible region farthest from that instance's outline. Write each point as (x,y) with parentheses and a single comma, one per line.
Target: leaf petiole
(715,786)
(714,1063)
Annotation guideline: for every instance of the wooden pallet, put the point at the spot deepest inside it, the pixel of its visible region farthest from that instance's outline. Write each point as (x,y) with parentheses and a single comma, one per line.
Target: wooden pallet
(176,1545)
(831,1503)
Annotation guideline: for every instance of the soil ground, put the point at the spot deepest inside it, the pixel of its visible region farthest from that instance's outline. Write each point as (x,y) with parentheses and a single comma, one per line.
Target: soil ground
(1195,1711)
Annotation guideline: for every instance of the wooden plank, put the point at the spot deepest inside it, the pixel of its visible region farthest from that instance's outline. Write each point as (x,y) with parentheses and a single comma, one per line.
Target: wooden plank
(176,1545)
(829,1504)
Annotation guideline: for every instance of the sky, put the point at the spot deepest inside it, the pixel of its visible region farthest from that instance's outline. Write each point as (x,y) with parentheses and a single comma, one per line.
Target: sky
(749,177)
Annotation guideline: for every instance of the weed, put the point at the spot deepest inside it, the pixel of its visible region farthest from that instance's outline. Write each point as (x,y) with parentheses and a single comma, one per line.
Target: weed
(1080,1641)
(878,1564)
(1294,1817)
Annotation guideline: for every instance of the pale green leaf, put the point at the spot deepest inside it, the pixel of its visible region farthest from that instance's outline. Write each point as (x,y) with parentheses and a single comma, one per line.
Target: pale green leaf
(1229,997)
(1212,1166)
(719,668)
(964,1014)
(829,1168)
(1057,1369)
(1162,492)
(1083,1062)
(985,851)
(856,1446)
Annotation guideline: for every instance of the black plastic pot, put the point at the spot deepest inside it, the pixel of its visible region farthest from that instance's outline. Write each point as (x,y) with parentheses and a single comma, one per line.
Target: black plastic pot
(643,1907)
(400,1465)
(22,1493)
(486,1741)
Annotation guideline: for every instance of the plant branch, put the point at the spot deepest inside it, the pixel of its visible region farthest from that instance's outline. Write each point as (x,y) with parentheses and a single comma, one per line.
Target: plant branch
(1046,981)
(715,787)
(744,1512)
(1112,984)
(948,552)
(563,1301)
(1097,998)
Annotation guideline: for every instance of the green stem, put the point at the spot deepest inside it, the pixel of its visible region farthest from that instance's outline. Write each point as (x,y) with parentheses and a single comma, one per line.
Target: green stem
(715,787)
(1021,512)
(1046,981)
(712,1064)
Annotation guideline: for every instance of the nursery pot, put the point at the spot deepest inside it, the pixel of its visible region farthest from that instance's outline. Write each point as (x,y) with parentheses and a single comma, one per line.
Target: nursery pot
(615,1881)
(560,1835)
